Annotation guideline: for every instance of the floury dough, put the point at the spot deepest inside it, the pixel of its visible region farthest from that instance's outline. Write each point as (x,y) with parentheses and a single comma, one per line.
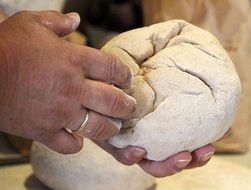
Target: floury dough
(90,169)
(186,87)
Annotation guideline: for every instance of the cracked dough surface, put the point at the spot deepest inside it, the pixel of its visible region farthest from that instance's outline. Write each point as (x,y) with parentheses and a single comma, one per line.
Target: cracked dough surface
(186,87)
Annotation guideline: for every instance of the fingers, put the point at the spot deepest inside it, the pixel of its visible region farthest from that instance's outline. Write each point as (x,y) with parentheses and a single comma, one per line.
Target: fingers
(201,156)
(64,142)
(172,165)
(60,24)
(168,167)
(104,67)
(107,100)
(99,127)
(127,156)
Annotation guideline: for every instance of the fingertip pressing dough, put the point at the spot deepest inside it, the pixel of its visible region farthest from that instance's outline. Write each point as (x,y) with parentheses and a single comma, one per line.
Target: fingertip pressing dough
(186,87)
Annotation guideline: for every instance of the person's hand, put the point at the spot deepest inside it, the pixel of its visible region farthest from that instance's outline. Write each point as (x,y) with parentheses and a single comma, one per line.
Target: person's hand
(172,165)
(47,84)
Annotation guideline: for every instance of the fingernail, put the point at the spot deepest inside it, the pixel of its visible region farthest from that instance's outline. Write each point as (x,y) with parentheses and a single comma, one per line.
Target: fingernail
(182,163)
(116,122)
(206,156)
(76,19)
(138,153)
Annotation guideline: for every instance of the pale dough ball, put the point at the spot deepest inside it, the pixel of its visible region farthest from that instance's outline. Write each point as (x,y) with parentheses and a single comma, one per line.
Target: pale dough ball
(90,169)
(185,84)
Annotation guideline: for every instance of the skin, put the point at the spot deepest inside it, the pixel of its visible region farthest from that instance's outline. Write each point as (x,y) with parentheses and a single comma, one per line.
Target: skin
(47,85)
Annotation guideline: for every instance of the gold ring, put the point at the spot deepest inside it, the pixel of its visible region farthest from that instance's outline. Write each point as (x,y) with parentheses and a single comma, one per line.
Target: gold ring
(83,124)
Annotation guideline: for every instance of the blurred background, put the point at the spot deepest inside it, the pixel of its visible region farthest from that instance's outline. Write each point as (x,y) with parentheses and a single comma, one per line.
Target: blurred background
(228,20)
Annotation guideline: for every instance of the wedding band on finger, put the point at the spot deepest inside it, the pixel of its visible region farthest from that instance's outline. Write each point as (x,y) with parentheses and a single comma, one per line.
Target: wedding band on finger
(82,126)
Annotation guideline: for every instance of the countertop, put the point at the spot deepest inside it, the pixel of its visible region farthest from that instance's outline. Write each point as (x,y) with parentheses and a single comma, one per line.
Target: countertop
(223,172)
(226,172)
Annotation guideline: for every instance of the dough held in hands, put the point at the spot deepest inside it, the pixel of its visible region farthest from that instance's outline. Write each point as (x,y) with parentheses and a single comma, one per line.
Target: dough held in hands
(186,87)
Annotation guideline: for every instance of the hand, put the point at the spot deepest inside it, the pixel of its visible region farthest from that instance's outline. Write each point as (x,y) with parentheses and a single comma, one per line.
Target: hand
(47,84)
(172,165)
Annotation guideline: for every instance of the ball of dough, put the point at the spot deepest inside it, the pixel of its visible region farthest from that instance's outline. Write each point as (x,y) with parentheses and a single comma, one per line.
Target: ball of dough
(90,169)
(185,84)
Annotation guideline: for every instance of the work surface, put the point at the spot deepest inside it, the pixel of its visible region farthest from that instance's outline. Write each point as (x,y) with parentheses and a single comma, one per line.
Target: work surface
(228,172)
(223,172)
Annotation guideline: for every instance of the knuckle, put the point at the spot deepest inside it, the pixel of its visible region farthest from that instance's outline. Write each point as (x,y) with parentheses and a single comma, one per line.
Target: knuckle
(122,105)
(111,68)
(74,58)
(26,15)
(117,103)
(117,72)
(99,133)
(85,96)
(71,88)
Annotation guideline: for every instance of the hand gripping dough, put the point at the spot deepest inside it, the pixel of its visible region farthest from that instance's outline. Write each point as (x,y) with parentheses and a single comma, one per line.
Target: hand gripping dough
(185,84)
(90,169)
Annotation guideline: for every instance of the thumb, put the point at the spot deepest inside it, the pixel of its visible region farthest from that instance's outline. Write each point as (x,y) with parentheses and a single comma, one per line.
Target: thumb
(60,24)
